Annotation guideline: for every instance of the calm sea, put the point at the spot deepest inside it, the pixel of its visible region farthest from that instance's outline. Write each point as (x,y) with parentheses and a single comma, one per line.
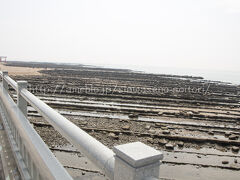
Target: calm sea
(213,75)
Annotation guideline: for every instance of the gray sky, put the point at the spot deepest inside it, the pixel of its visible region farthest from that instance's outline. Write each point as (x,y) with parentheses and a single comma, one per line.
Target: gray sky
(173,33)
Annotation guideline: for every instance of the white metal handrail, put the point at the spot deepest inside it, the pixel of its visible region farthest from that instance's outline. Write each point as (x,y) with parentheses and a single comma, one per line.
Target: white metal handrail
(89,146)
(33,157)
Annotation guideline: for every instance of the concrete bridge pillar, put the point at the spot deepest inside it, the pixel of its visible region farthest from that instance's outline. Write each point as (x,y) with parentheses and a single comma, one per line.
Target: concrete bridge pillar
(136,161)
(21,102)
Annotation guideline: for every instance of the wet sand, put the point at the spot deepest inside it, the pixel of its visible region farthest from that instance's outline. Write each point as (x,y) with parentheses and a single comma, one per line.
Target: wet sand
(17,71)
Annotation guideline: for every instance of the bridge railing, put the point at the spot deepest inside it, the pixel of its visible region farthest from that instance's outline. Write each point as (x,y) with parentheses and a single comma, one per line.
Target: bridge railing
(130,161)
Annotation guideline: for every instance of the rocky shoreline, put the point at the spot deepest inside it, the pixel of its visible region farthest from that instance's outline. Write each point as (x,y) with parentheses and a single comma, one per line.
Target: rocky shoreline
(183,116)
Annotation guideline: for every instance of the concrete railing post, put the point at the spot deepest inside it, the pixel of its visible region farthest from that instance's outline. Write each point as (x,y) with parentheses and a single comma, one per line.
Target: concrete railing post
(4,82)
(21,102)
(136,161)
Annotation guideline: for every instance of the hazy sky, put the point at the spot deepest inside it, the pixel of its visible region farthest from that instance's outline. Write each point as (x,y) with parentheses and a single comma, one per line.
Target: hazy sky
(175,33)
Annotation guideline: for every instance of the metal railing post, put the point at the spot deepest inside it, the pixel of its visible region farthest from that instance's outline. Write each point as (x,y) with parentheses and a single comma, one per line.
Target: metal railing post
(4,82)
(136,161)
(21,102)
